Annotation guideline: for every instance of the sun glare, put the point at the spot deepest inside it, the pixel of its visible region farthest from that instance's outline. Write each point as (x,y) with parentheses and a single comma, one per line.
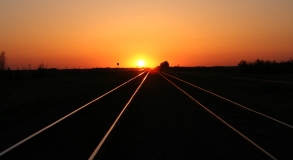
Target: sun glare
(140,63)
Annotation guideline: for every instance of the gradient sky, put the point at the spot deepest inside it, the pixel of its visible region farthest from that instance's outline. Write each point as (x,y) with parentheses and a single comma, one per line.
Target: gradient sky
(100,33)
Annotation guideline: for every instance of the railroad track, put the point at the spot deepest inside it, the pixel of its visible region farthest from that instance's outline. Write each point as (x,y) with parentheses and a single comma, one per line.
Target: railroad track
(76,135)
(64,88)
(160,122)
(271,136)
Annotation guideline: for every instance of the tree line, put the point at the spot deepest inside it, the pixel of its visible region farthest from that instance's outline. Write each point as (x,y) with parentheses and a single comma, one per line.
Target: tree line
(261,66)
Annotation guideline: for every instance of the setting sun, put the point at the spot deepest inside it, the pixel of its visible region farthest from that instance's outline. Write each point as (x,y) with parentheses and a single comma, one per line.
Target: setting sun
(98,34)
(140,63)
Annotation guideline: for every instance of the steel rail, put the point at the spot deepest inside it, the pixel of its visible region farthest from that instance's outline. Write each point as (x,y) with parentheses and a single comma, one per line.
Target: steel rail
(252,79)
(219,118)
(117,119)
(64,117)
(237,104)
(16,104)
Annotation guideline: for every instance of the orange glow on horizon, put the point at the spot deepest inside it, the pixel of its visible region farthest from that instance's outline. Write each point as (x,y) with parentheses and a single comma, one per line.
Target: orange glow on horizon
(104,33)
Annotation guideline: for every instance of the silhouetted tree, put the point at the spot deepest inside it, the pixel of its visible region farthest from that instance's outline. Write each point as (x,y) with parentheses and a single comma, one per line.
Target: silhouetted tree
(3,61)
(243,66)
(164,65)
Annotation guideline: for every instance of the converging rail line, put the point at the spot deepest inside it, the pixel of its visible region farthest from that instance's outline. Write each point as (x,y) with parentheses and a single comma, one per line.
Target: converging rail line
(226,99)
(78,110)
(242,135)
(89,132)
(65,87)
(271,136)
(115,122)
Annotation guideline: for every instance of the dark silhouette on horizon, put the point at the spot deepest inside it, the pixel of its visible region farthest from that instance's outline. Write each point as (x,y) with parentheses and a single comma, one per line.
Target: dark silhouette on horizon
(261,66)
(3,61)
(41,70)
(164,65)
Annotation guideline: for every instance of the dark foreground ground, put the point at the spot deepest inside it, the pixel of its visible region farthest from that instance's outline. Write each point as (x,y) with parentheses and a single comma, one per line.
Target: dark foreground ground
(270,94)
(160,123)
(53,97)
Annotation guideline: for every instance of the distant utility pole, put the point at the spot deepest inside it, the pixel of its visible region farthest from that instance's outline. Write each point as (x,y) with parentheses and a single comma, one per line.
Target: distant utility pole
(29,66)
(117,65)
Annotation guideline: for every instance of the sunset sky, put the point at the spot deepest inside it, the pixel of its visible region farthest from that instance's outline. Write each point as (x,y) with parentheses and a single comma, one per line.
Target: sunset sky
(101,33)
